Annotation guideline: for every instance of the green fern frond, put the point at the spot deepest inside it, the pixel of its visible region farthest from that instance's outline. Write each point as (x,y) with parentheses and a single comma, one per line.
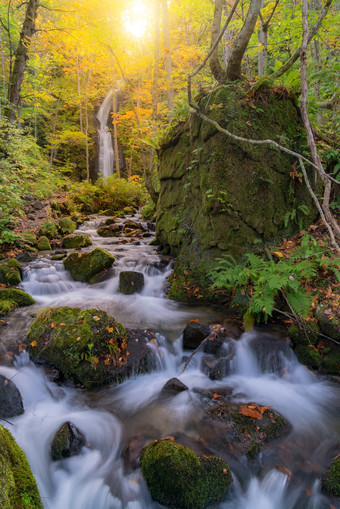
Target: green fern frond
(300,302)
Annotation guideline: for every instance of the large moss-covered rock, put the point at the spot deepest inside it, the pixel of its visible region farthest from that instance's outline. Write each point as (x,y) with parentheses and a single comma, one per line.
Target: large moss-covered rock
(176,477)
(78,342)
(330,481)
(74,241)
(10,298)
(18,489)
(220,196)
(84,267)
(111,230)
(10,272)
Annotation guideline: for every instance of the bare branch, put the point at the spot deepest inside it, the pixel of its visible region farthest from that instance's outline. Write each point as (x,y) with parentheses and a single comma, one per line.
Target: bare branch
(200,346)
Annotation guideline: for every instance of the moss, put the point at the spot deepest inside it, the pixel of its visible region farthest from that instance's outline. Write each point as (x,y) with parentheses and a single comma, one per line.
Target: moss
(330,482)
(253,450)
(84,266)
(29,237)
(44,244)
(299,338)
(18,489)
(131,282)
(76,342)
(176,477)
(58,256)
(18,297)
(75,241)
(111,230)
(6,306)
(10,272)
(49,229)
(331,360)
(66,225)
(308,356)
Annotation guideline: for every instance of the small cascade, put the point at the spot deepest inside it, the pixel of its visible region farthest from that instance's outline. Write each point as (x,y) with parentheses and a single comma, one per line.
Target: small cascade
(106,152)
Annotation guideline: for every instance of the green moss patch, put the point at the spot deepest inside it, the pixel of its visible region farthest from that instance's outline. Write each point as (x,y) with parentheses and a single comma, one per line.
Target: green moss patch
(85,266)
(18,489)
(79,343)
(10,298)
(331,480)
(74,241)
(176,477)
(10,272)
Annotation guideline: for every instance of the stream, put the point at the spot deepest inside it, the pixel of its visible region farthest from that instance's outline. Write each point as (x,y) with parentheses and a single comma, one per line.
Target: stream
(288,471)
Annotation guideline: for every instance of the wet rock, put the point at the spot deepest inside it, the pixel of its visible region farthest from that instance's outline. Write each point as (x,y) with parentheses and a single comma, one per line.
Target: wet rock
(10,298)
(112,230)
(16,476)
(44,244)
(176,477)
(10,272)
(328,327)
(10,399)
(67,442)
(132,452)
(271,350)
(83,267)
(90,347)
(330,481)
(131,282)
(174,386)
(242,427)
(24,257)
(193,334)
(75,241)
(216,369)
(31,217)
(110,221)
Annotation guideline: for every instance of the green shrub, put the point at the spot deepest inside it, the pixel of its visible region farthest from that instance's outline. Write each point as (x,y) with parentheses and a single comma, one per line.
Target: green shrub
(49,229)
(66,225)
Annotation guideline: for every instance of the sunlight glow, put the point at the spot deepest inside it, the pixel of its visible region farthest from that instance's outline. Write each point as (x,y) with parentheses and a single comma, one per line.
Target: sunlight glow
(137,19)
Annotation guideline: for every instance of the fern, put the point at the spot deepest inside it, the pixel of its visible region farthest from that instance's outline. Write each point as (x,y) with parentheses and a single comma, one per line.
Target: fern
(268,280)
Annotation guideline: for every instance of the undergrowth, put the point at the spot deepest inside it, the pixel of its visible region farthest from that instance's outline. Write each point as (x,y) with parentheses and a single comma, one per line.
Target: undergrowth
(264,284)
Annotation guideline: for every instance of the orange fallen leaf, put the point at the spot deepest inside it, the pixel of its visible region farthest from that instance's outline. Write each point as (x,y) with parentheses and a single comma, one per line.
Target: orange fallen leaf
(250,412)
(109,329)
(284,470)
(34,343)
(215,396)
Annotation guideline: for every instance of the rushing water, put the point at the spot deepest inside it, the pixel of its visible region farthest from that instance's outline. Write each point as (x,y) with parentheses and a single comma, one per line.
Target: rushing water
(264,370)
(106,152)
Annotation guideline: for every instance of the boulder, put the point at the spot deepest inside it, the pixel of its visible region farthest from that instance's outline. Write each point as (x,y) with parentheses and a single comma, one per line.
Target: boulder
(193,334)
(132,452)
(44,244)
(130,282)
(89,346)
(10,399)
(10,298)
(74,241)
(10,272)
(24,257)
(330,482)
(111,230)
(18,486)
(174,386)
(83,267)
(176,477)
(67,442)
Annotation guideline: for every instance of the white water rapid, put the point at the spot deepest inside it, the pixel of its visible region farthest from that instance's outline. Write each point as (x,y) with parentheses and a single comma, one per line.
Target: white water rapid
(264,370)
(106,152)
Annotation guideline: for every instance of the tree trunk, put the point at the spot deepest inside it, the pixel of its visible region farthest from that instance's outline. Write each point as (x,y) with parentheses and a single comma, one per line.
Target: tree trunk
(233,71)
(20,60)
(156,62)
(168,66)
(215,66)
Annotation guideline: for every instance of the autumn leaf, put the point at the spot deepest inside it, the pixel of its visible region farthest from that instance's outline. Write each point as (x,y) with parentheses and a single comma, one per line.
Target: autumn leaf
(78,338)
(284,470)
(34,343)
(215,396)
(96,318)
(109,329)
(53,324)
(278,253)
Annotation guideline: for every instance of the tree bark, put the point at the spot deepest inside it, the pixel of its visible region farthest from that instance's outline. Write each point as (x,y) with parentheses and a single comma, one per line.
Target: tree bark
(233,71)
(156,62)
(215,66)
(20,60)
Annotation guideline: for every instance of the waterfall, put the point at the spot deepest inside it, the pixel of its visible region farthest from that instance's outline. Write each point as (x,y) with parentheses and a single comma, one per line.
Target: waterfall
(106,152)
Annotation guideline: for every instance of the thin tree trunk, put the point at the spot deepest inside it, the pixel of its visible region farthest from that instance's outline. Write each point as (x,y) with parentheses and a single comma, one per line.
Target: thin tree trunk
(233,71)
(3,100)
(79,97)
(215,66)
(304,113)
(20,60)
(156,62)
(168,66)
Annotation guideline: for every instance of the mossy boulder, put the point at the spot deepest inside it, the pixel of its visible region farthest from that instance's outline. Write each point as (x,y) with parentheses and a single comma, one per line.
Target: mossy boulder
(67,442)
(111,230)
(10,272)
(221,196)
(66,225)
(44,244)
(176,477)
(18,489)
(84,267)
(130,282)
(10,298)
(74,241)
(330,481)
(77,342)
(29,237)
